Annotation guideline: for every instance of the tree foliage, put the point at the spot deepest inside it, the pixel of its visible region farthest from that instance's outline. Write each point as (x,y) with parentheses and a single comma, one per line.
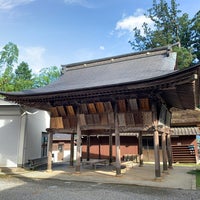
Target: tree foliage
(195,35)
(46,76)
(17,78)
(23,77)
(170,27)
(8,57)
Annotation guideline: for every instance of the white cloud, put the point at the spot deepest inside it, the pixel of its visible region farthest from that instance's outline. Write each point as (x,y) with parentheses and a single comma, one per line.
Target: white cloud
(128,23)
(83,3)
(10,4)
(34,56)
(102,48)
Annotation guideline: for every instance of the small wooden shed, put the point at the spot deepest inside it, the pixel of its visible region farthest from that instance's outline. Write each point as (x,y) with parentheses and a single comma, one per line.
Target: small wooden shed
(121,94)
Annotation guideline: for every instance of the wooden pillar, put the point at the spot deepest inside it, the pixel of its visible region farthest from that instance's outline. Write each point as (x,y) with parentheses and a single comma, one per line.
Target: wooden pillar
(164,152)
(140,150)
(169,151)
(88,147)
(110,148)
(156,141)
(99,144)
(50,143)
(72,150)
(117,143)
(78,151)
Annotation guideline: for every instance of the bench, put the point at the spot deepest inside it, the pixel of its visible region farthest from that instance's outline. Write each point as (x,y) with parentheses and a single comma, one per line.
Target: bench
(130,157)
(37,162)
(95,163)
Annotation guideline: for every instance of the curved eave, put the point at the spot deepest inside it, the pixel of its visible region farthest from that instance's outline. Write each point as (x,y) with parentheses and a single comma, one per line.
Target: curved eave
(176,87)
(175,77)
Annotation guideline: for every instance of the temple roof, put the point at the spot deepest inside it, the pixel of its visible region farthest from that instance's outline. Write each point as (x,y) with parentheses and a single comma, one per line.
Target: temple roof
(134,67)
(125,76)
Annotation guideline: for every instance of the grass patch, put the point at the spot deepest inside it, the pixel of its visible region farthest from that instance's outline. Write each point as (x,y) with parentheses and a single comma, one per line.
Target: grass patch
(185,164)
(197,173)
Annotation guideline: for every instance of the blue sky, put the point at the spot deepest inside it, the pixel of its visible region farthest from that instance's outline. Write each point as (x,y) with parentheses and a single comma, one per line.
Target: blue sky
(56,32)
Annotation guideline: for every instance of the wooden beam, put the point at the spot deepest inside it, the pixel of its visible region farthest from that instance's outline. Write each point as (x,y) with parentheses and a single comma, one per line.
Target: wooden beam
(97,127)
(61,130)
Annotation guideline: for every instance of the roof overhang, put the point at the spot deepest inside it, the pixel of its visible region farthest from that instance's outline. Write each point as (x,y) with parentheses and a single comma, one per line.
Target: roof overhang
(136,75)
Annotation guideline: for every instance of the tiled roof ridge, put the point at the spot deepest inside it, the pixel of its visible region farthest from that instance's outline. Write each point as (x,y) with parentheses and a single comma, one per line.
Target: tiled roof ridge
(119,58)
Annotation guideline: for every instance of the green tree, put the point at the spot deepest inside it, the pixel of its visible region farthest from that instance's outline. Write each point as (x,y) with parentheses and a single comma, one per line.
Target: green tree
(23,77)
(169,28)
(195,35)
(46,76)
(8,57)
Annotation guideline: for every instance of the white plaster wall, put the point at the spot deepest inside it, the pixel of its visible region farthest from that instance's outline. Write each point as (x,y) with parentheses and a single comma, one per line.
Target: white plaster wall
(66,155)
(9,138)
(37,122)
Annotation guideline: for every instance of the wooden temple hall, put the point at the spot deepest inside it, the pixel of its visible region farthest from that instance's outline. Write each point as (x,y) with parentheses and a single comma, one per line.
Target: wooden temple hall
(130,93)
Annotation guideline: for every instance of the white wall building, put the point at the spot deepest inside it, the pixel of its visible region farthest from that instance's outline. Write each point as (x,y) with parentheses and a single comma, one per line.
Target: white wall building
(21,134)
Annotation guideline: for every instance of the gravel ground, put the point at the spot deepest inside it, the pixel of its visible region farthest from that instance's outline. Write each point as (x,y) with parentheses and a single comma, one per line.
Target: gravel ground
(53,189)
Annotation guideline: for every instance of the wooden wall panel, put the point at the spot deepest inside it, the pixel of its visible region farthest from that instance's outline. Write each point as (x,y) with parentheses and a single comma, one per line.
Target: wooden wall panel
(92,108)
(122,105)
(111,120)
(66,122)
(96,118)
(130,119)
(70,110)
(138,118)
(108,107)
(89,119)
(104,119)
(61,111)
(144,104)
(56,122)
(100,107)
(147,118)
(133,104)
(84,108)
(73,121)
(82,120)
(54,112)
(121,119)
